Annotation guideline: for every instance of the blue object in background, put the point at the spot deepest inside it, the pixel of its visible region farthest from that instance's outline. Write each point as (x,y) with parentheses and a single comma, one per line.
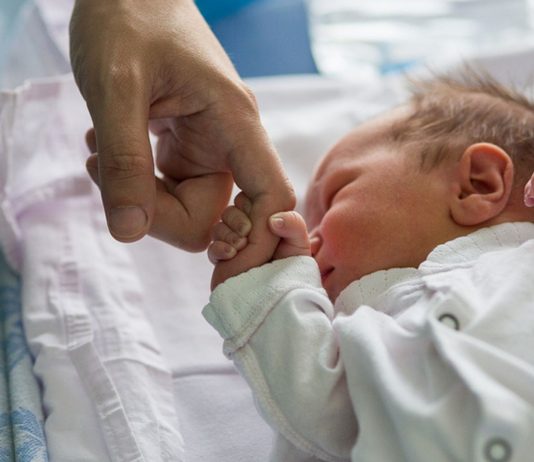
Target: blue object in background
(267,37)
(262,37)
(9,12)
(214,10)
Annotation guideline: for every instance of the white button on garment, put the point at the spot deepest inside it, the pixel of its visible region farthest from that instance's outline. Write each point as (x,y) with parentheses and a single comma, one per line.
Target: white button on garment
(497,450)
(450,321)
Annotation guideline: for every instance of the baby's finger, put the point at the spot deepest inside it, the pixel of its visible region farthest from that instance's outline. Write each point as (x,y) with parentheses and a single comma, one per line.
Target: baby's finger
(220,251)
(237,221)
(221,232)
(291,227)
(242,202)
(90,140)
(91,164)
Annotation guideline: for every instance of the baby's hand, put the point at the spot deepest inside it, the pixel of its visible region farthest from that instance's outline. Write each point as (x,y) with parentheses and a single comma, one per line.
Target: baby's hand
(291,228)
(230,235)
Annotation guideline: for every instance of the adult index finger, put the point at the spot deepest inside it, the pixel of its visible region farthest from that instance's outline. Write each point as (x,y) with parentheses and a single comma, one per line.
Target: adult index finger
(259,173)
(125,162)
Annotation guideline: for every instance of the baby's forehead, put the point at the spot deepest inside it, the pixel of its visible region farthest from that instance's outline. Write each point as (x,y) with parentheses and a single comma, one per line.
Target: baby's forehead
(372,133)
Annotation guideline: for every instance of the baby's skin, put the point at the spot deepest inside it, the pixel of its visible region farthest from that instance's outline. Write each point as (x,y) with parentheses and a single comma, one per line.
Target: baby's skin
(230,234)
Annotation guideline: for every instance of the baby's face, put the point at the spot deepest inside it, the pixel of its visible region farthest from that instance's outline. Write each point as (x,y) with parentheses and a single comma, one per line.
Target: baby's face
(369,207)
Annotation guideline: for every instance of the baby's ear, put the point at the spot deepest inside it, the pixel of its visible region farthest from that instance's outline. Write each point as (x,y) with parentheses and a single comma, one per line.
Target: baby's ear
(482,184)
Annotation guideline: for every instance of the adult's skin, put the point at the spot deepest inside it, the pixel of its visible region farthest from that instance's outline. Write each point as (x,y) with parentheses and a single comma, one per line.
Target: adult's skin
(136,61)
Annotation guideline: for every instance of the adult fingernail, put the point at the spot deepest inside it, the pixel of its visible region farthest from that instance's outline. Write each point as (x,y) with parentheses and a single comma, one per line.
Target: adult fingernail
(127,222)
(529,194)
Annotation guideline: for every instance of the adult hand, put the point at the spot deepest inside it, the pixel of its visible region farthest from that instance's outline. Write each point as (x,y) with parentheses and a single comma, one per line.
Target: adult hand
(135,60)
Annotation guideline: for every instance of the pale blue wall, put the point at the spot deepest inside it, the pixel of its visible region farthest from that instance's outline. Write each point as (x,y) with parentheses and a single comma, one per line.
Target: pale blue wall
(216,9)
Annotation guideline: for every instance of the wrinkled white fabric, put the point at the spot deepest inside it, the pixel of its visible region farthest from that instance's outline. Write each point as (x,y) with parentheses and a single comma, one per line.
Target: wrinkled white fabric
(434,363)
(107,392)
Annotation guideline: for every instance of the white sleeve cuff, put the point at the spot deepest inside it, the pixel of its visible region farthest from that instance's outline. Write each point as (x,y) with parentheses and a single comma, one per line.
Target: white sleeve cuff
(238,306)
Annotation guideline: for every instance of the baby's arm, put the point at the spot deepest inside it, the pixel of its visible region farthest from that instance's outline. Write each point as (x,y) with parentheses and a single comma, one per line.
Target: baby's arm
(276,322)
(230,235)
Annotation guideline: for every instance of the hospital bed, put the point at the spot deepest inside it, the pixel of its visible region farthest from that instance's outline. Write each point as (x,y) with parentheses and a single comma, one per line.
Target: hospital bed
(119,364)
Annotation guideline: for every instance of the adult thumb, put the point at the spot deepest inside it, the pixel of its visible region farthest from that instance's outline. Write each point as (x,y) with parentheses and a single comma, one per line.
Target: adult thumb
(125,167)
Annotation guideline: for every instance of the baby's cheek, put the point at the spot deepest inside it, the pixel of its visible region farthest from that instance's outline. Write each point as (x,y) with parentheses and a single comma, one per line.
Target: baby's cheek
(335,235)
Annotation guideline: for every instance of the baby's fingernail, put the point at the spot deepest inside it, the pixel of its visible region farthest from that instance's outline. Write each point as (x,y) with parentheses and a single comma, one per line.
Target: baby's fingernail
(243,229)
(229,250)
(529,194)
(315,244)
(236,240)
(277,221)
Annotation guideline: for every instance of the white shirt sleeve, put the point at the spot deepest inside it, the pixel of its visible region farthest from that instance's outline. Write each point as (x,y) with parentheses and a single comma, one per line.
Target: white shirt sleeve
(276,322)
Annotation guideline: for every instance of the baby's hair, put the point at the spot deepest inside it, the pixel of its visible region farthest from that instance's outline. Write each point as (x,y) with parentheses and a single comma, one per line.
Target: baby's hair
(453,111)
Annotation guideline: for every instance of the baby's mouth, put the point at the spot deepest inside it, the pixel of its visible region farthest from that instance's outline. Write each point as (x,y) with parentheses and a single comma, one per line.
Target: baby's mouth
(325,274)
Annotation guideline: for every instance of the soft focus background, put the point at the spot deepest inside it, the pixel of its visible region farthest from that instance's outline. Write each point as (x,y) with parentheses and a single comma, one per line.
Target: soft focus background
(342,38)
(263,37)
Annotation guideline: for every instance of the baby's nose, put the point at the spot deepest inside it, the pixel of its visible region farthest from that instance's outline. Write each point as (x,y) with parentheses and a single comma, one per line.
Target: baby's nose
(315,244)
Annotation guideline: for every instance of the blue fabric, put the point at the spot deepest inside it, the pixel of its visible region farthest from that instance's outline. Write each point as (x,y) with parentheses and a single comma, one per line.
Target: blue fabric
(214,10)
(22,436)
(9,12)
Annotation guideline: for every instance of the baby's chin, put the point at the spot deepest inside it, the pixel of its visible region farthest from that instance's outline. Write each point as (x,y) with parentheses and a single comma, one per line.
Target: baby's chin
(333,290)
(337,280)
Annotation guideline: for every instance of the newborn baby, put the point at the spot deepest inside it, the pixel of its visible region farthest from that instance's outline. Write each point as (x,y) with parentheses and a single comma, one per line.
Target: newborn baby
(395,321)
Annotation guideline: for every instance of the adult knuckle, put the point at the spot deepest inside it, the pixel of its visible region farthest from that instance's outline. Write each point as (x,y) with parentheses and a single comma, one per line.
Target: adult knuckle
(247,101)
(124,79)
(242,98)
(113,80)
(121,73)
(249,97)
(124,165)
